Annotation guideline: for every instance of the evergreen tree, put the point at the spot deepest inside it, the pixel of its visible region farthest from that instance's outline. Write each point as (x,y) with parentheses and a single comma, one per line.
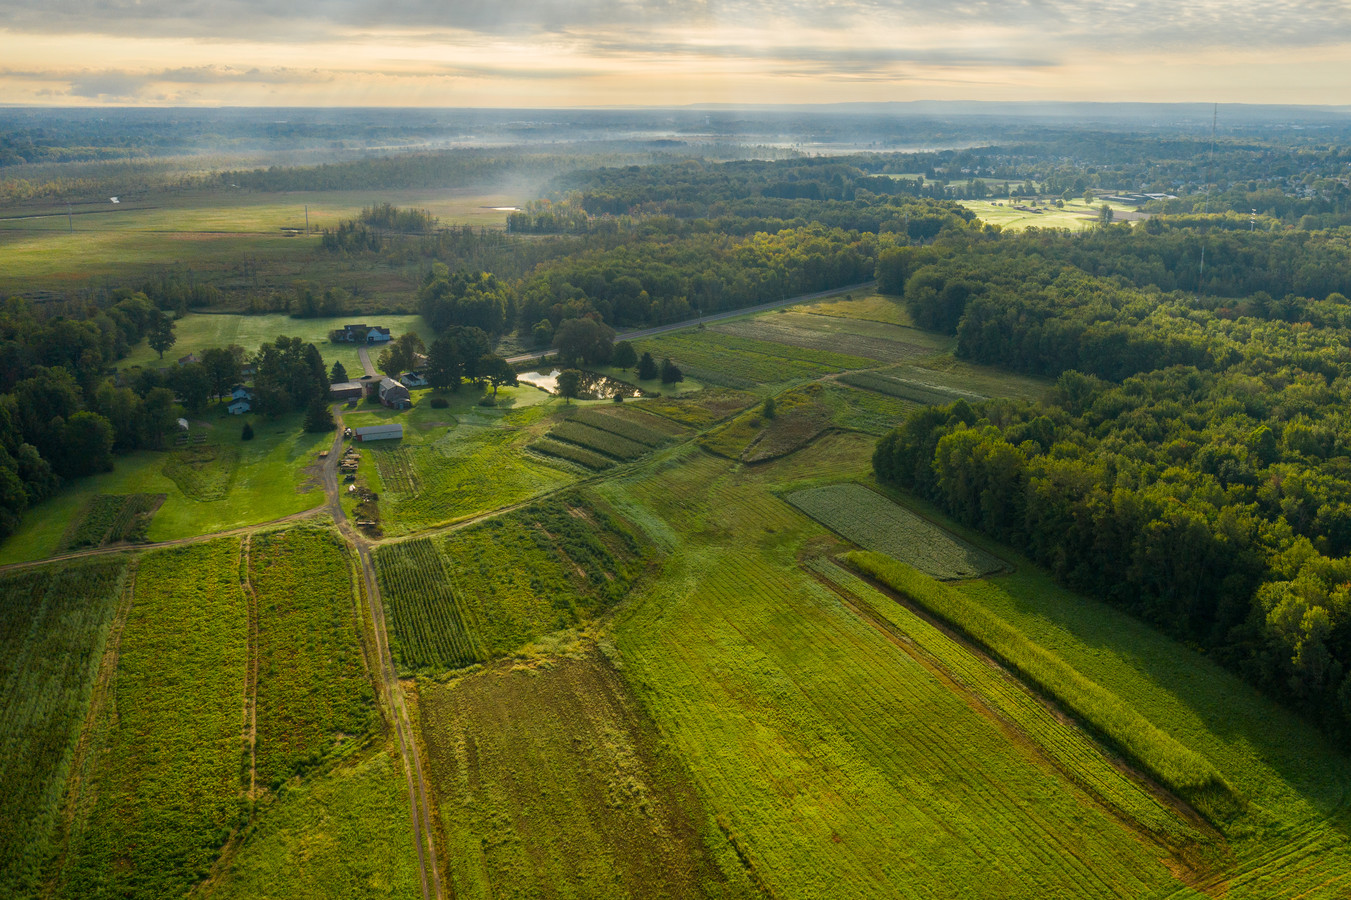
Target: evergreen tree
(319,417)
(647,367)
(339,373)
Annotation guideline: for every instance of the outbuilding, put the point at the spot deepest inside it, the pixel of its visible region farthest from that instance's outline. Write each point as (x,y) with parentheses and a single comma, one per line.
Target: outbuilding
(345,390)
(394,395)
(239,407)
(378,433)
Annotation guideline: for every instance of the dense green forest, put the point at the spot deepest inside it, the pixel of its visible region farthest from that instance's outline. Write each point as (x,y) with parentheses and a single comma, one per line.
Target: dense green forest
(1193,464)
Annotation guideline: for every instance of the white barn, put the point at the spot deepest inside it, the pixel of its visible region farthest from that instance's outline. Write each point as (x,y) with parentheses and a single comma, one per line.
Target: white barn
(378,433)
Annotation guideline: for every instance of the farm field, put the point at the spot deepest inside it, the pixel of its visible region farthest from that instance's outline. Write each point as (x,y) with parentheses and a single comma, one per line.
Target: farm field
(744,363)
(754,436)
(842,786)
(1076,216)
(489,589)
(313,694)
(869,307)
(162,779)
(551,782)
(473,464)
(224,484)
(214,231)
(875,523)
(877,341)
(345,833)
(111,519)
(54,625)
(199,331)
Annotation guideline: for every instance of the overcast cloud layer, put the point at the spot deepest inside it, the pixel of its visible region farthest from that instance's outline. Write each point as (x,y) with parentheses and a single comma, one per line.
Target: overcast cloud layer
(599,52)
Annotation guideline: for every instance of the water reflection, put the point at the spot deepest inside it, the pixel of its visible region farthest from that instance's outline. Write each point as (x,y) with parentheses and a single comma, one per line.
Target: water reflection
(593,386)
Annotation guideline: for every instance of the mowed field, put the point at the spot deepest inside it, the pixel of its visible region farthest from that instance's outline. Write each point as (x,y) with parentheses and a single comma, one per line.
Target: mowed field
(1076,214)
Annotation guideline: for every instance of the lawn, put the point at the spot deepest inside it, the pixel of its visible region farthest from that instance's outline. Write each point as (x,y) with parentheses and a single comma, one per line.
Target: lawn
(245,483)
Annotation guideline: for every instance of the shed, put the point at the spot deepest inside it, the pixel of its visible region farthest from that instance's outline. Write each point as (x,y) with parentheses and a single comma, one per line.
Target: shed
(412,380)
(395,395)
(378,433)
(239,407)
(345,390)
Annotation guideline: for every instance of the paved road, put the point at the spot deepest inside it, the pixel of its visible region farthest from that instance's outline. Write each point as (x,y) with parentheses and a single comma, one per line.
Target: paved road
(716,317)
(366,361)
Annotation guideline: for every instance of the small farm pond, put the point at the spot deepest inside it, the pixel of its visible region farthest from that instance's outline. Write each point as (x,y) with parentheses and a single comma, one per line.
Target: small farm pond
(593,386)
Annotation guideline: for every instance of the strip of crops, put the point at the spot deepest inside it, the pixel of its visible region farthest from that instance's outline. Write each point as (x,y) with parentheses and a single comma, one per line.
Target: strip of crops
(741,363)
(431,630)
(1182,770)
(165,787)
(588,459)
(313,691)
(701,410)
(541,569)
(1066,746)
(914,391)
(875,523)
(620,425)
(54,625)
(398,471)
(866,411)
(109,518)
(610,444)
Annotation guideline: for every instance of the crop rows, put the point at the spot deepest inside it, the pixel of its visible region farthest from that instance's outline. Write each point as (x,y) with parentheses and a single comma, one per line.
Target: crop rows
(542,568)
(110,518)
(313,692)
(430,628)
(906,389)
(54,623)
(866,411)
(588,459)
(165,787)
(751,437)
(1179,768)
(621,448)
(875,523)
(398,471)
(701,410)
(622,425)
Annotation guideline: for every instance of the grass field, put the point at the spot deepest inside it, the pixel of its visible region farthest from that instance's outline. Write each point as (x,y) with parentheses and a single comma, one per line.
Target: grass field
(875,523)
(550,782)
(745,363)
(230,484)
(345,833)
(54,624)
(196,332)
(835,762)
(237,234)
(314,696)
(872,340)
(866,307)
(1076,216)
(162,788)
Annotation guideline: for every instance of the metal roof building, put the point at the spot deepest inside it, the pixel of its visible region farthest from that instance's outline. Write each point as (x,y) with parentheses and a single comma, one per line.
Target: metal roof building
(378,433)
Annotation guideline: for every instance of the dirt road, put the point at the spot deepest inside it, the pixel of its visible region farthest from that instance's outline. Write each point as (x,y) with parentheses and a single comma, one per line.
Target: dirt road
(391,690)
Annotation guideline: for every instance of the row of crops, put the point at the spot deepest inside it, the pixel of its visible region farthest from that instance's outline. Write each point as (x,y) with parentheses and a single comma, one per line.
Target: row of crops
(597,441)
(738,362)
(54,624)
(797,331)
(111,518)
(313,694)
(875,523)
(429,627)
(906,389)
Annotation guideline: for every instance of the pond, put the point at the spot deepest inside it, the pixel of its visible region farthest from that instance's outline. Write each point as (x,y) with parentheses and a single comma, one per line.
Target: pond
(593,386)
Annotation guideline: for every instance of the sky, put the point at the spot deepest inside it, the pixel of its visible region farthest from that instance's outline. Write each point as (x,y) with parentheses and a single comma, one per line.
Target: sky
(568,53)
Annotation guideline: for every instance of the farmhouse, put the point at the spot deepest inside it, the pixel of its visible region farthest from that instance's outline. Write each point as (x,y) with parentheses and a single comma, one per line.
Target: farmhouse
(378,433)
(394,395)
(239,407)
(346,390)
(412,380)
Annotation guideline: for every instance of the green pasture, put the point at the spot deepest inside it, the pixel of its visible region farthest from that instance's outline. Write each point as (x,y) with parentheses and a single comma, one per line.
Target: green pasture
(249,482)
(196,332)
(862,306)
